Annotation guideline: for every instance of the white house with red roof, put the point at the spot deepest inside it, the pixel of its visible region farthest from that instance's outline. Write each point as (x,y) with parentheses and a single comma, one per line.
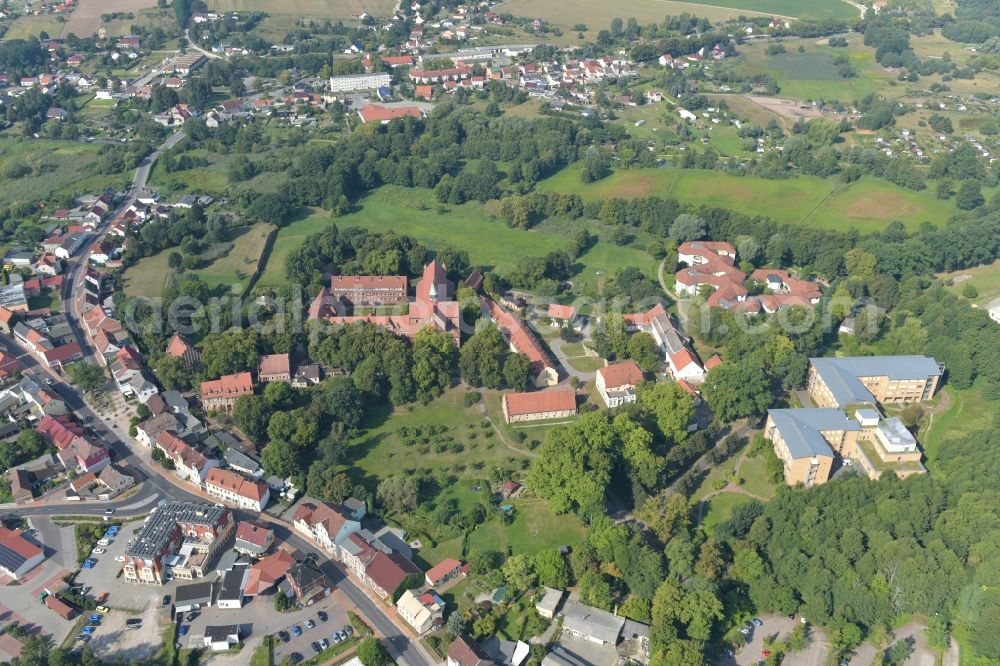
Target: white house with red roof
(616,383)
(329,525)
(233,488)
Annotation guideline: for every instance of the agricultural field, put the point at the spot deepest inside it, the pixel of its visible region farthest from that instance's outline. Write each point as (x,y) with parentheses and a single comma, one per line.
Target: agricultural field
(86,18)
(233,264)
(53,170)
(597,14)
(867,205)
(985,279)
(812,74)
(333,9)
(32,26)
(490,243)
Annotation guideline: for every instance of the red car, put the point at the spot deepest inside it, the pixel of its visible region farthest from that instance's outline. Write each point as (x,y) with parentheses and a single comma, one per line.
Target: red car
(765,653)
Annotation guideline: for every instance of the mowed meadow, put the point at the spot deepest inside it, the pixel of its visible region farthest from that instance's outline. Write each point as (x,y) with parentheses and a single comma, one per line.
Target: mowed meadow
(867,205)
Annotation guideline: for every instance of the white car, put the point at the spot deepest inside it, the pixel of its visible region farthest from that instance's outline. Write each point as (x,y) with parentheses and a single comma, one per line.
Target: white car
(120,558)
(104,542)
(97,551)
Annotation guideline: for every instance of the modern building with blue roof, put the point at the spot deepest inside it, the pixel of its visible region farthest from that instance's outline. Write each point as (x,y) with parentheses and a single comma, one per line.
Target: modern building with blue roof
(851,380)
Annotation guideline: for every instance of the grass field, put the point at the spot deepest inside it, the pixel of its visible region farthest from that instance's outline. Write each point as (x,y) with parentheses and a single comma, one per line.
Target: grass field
(967,412)
(30,26)
(720,507)
(333,9)
(213,179)
(812,74)
(86,18)
(867,205)
(754,474)
(490,243)
(234,267)
(57,168)
(986,280)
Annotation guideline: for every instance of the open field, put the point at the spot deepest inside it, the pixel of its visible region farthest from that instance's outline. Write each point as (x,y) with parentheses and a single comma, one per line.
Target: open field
(234,267)
(343,9)
(867,205)
(754,474)
(86,18)
(968,412)
(986,280)
(31,26)
(57,168)
(490,243)
(812,74)
(597,15)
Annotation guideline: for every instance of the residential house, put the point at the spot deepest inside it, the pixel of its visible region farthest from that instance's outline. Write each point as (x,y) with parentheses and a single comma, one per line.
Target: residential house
(379,567)
(326,523)
(465,652)
(549,604)
(306,375)
(442,572)
(222,393)
(232,488)
(82,456)
(220,638)
(539,405)
(564,315)
(616,383)
(21,483)
(113,482)
(675,345)
(230,595)
(253,538)
(424,611)
(189,463)
(308,583)
(267,573)
(147,431)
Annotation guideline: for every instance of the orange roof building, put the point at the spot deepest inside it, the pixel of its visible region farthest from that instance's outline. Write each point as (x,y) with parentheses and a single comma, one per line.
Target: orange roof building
(223,392)
(522,341)
(539,405)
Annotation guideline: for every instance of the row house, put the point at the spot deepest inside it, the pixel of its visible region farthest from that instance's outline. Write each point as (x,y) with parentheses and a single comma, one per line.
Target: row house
(130,376)
(233,488)
(522,341)
(458,72)
(189,463)
(380,568)
(31,400)
(673,343)
(329,525)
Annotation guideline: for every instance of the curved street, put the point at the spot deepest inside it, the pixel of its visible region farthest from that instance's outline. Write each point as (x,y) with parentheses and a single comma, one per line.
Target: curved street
(153,485)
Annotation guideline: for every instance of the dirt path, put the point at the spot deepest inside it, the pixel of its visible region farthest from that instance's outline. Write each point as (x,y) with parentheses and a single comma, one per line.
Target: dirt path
(523,452)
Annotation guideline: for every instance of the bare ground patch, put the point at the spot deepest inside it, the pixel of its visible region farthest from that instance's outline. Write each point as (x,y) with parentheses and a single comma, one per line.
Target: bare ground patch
(786,108)
(881,205)
(86,18)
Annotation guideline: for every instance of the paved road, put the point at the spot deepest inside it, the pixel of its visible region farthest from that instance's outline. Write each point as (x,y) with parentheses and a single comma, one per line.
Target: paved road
(155,487)
(192,45)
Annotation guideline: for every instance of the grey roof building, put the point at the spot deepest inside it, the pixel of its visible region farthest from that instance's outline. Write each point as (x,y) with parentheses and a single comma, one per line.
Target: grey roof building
(194,595)
(842,376)
(593,624)
(801,428)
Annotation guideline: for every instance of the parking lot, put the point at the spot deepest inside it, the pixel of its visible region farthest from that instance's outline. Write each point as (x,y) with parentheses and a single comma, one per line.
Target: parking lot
(104,577)
(114,641)
(814,655)
(261,619)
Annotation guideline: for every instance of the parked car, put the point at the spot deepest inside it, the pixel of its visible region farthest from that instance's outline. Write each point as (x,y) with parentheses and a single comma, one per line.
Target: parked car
(89,563)
(120,558)
(295,658)
(757,622)
(193,615)
(296,630)
(94,619)
(84,638)
(184,629)
(348,630)
(316,648)
(336,638)
(103,609)
(323,617)
(323,643)
(104,542)
(283,636)
(310,624)
(166,600)
(109,512)
(97,551)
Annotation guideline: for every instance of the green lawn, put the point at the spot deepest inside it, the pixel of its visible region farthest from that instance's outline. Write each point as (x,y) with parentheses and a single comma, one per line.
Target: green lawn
(534,528)
(24,27)
(586,363)
(490,243)
(967,412)
(798,8)
(986,280)
(213,179)
(239,255)
(867,204)
(754,474)
(720,508)
(48,299)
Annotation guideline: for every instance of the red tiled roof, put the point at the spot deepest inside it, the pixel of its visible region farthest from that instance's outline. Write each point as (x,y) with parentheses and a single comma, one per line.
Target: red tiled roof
(713,362)
(253,532)
(381,282)
(557,311)
(523,341)
(388,571)
(539,401)
(621,374)
(242,486)
(13,540)
(442,569)
(267,572)
(178,346)
(227,386)
(682,359)
(379,113)
(274,364)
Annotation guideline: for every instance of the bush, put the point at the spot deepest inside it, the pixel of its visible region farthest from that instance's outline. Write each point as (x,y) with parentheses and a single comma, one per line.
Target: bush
(471,398)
